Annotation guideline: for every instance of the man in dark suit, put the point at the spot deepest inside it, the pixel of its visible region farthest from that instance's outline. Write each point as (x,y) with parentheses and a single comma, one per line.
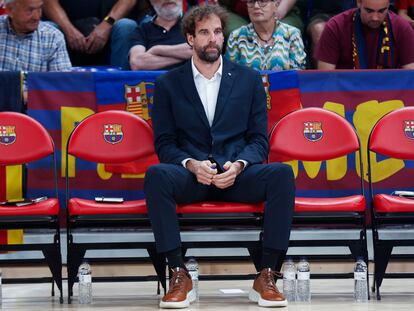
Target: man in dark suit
(210,126)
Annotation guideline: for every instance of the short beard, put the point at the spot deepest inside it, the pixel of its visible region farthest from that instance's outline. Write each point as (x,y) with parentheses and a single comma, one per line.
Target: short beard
(168,15)
(208,57)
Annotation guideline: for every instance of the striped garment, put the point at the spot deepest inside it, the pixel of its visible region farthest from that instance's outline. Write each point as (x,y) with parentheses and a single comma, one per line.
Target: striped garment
(287,52)
(42,50)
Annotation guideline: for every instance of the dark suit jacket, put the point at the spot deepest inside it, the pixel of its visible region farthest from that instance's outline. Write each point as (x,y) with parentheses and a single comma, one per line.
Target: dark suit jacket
(239,129)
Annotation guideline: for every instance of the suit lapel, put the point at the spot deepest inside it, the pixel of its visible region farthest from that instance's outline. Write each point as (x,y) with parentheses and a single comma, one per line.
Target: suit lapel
(191,93)
(226,85)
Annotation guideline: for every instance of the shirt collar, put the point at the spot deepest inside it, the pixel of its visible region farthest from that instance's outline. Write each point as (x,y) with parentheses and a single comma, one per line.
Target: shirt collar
(197,73)
(11,30)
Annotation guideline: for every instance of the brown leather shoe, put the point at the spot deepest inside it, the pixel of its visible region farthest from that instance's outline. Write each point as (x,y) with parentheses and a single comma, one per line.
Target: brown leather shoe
(264,290)
(180,293)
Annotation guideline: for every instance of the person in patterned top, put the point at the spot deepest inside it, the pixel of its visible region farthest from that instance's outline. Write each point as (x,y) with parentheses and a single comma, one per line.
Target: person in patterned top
(266,43)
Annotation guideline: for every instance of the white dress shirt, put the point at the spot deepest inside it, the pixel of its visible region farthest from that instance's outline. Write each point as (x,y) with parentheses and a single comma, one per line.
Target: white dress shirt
(208,89)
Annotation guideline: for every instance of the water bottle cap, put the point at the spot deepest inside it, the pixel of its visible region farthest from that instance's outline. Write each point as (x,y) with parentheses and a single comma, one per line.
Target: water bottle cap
(288,258)
(303,258)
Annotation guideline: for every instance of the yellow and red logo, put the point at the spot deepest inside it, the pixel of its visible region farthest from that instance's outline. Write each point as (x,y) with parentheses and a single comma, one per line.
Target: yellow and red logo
(7,134)
(113,133)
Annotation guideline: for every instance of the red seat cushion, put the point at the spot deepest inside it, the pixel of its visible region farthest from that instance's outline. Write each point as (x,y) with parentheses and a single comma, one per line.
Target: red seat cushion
(219,207)
(354,203)
(79,206)
(385,203)
(49,207)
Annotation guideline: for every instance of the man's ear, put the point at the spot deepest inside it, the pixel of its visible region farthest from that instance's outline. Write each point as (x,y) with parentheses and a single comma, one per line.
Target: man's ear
(190,39)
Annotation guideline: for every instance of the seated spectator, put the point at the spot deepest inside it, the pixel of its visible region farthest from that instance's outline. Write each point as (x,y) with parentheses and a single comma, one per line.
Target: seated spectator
(369,37)
(28,44)
(87,26)
(266,43)
(160,43)
(315,14)
(405,9)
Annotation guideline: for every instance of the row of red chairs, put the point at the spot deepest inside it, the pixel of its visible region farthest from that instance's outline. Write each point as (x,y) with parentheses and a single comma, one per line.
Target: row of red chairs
(310,134)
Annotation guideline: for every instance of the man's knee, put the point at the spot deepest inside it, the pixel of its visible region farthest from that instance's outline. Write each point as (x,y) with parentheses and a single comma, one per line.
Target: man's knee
(155,175)
(124,27)
(282,172)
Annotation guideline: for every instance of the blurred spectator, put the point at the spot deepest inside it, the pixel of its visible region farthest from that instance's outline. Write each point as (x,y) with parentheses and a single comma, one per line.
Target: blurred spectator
(122,32)
(160,43)
(405,9)
(369,37)
(28,44)
(2,8)
(87,26)
(316,13)
(288,13)
(266,43)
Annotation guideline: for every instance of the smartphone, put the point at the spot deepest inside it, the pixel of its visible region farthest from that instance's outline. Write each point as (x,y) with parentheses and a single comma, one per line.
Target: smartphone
(215,165)
(19,202)
(109,200)
(23,202)
(404,194)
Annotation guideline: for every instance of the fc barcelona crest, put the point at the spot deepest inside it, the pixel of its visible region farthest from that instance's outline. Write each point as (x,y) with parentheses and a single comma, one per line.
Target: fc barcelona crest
(113,133)
(409,129)
(7,134)
(312,131)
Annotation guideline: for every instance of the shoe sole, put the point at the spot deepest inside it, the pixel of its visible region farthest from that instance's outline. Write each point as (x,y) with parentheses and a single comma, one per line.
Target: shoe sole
(255,296)
(191,297)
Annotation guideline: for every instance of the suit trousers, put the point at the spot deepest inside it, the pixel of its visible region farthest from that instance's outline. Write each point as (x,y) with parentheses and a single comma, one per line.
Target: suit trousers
(168,184)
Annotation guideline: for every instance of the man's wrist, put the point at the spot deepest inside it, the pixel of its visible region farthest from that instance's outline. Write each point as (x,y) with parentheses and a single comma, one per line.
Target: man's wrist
(190,165)
(109,20)
(239,165)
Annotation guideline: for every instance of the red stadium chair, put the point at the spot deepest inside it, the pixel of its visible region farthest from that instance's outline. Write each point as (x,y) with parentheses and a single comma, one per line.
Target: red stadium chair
(315,134)
(24,140)
(392,136)
(110,137)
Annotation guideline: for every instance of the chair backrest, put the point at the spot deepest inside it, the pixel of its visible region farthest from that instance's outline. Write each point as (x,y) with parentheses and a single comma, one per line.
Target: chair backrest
(312,134)
(112,136)
(393,134)
(22,139)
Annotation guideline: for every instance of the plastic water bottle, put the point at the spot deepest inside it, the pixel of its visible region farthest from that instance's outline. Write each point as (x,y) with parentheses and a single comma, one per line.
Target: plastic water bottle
(360,281)
(303,283)
(85,283)
(192,267)
(289,279)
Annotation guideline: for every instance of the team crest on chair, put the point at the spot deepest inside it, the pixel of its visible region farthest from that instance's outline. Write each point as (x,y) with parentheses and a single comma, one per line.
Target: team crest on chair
(312,131)
(7,134)
(113,133)
(409,129)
